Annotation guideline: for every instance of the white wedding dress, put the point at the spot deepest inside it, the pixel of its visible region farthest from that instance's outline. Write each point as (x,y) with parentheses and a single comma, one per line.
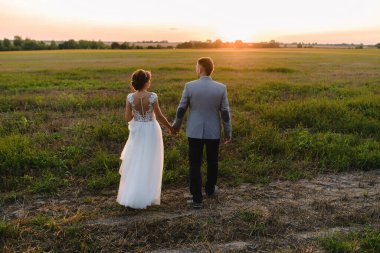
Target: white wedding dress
(142,157)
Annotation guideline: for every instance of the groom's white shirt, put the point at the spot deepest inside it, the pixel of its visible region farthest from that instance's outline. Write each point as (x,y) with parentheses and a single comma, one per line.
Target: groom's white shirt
(208,103)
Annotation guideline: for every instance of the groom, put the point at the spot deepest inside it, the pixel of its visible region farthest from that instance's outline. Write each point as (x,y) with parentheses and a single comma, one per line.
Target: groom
(208,102)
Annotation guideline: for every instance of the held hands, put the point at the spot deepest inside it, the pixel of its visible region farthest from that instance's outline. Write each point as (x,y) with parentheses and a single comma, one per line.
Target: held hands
(172,130)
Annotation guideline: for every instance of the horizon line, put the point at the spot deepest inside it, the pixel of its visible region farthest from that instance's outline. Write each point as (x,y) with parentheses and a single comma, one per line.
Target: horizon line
(204,41)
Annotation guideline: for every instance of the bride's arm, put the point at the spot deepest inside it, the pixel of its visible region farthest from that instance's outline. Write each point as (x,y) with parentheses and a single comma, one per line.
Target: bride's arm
(160,117)
(128,112)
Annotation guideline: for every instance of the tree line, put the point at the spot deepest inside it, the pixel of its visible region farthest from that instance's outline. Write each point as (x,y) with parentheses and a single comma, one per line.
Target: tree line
(18,43)
(220,44)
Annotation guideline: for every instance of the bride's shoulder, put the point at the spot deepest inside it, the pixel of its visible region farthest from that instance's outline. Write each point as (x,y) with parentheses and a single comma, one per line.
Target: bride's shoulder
(130,96)
(153,96)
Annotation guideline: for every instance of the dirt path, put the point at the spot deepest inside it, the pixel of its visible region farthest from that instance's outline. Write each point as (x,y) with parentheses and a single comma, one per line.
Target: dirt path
(282,216)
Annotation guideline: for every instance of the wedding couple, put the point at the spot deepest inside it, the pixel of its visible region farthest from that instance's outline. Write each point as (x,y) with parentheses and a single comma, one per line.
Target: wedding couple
(143,154)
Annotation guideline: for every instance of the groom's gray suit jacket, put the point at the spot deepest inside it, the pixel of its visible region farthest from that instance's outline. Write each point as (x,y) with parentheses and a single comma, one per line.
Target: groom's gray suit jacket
(208,102)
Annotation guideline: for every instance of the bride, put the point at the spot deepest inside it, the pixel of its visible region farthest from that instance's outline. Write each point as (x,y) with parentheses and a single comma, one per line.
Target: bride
(143,154)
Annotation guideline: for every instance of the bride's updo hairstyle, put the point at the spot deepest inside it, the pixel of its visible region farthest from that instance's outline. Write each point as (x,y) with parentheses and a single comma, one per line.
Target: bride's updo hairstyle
(139,78)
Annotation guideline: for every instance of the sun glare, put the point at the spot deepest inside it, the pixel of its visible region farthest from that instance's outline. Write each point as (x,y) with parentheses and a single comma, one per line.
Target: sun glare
(235,32)
(232,36)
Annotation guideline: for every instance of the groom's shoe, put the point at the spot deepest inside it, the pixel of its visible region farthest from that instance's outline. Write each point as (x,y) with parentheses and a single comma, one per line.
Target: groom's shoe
(197,205)
(214,193)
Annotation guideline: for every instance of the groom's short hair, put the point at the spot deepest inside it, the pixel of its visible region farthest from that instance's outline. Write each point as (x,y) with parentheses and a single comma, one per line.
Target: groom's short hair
(207,63)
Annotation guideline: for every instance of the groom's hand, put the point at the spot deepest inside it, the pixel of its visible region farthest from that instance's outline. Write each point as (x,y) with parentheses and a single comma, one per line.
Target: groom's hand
(175,130)
(227,139)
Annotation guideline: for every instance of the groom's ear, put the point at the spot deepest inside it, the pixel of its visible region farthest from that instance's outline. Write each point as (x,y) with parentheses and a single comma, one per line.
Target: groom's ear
(197,68)
(201,70)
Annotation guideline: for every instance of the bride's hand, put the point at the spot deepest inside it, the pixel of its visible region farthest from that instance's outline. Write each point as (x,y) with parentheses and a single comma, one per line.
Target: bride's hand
(172,131)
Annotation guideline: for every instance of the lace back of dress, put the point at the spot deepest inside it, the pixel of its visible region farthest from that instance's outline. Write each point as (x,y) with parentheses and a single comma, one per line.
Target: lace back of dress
(144,111)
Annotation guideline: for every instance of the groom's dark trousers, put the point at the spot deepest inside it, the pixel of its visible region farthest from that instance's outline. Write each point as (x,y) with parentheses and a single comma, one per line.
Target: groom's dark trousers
(195,162)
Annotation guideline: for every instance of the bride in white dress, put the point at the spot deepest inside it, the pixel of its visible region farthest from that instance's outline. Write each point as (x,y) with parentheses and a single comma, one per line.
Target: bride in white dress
(143,154)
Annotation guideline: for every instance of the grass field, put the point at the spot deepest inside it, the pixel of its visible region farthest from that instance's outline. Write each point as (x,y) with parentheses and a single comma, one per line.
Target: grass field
(295,113)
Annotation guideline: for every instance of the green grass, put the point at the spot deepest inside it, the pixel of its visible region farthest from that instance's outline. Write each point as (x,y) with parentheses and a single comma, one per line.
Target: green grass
(353,242)
(249,215)
(48,183)
(7,231)
(43,221)
(111,178)
(295,113)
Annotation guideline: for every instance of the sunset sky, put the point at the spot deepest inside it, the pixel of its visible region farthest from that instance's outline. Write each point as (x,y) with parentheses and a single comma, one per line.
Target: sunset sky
(322,21)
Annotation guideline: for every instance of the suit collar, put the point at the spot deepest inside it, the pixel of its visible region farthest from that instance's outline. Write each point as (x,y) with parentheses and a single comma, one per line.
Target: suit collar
(205,78)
